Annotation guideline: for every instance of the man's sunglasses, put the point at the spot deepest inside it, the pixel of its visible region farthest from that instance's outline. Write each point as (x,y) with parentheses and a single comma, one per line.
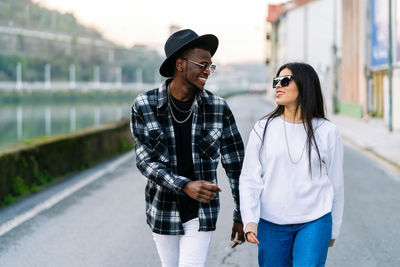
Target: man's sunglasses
(205,66)
(285,80)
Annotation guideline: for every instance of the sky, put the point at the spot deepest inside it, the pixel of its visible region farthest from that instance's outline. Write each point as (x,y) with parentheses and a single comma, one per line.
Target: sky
(239,25)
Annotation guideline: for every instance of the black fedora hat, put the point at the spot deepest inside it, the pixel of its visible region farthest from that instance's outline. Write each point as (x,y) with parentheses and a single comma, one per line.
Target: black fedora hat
(182,40)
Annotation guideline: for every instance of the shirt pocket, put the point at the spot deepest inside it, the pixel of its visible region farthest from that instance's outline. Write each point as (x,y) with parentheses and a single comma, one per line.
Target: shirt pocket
(209,143)
(159,144)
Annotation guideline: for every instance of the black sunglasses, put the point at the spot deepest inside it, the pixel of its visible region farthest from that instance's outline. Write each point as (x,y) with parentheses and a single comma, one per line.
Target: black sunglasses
(285,80)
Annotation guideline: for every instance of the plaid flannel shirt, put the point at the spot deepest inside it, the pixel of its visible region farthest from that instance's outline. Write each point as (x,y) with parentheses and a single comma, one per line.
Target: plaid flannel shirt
(214,131)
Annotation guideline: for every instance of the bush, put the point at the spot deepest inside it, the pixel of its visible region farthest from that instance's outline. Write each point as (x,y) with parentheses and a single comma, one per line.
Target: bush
(26,167)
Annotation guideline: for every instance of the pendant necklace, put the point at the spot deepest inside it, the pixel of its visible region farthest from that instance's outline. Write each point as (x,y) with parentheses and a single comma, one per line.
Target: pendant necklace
(287,144)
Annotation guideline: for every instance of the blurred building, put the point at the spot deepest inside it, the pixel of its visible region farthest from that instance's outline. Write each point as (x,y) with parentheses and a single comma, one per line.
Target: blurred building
(347,42)
(378,92)
(354,67)
(365,83)
(306,31)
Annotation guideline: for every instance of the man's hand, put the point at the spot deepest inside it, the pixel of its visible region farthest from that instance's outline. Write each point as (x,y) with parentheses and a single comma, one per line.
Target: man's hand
(237,235)
(332,242)
(201,191)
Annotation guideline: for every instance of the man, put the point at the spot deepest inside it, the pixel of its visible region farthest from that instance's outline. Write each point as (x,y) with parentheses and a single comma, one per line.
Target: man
(180,129)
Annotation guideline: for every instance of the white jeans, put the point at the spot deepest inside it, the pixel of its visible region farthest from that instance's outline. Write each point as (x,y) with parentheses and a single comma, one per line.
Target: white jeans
(188,250)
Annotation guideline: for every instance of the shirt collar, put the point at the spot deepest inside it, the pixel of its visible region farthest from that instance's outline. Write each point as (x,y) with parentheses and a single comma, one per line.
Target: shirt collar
(162,93)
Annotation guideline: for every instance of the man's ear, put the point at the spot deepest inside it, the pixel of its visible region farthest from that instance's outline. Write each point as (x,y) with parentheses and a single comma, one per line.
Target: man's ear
(179,64)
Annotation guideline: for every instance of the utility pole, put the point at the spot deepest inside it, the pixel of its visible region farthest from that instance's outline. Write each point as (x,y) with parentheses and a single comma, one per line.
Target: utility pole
(139,79)
(335,62)
(19,76)
(118,78)
(305,41)
(72,82)
(390,66)
(96,76)
(27,16)
(47,76)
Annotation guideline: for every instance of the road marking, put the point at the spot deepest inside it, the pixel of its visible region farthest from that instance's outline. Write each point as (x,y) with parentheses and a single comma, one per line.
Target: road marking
(11,224)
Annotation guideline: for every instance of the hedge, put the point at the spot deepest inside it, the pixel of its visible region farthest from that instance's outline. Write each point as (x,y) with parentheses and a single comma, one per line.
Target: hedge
(32,164)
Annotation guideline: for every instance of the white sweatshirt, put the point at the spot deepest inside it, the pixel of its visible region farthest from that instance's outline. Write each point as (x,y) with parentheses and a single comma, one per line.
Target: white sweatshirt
(275,189)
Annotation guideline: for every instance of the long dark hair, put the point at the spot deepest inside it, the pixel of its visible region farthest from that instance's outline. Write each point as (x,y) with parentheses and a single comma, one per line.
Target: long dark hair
(309,101)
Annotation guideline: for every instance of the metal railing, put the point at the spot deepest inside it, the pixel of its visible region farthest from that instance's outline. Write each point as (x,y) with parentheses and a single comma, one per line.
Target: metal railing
(34,86)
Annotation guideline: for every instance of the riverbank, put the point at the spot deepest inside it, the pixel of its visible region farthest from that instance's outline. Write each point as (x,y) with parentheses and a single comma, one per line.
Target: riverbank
(32,165)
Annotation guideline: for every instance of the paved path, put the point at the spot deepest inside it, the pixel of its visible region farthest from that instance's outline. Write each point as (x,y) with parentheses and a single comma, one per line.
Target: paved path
(103,224)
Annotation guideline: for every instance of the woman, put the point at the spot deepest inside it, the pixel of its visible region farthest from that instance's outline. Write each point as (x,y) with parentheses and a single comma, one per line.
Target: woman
(291,185)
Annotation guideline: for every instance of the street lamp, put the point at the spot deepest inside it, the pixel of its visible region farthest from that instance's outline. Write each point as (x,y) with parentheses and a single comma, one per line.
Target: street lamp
(390,67)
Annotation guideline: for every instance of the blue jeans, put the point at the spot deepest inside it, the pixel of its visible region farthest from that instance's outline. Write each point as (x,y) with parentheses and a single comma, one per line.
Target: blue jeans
(297,245)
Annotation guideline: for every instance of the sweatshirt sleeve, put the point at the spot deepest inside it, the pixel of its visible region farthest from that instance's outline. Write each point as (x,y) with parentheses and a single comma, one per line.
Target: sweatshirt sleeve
(335,174)
(250,181)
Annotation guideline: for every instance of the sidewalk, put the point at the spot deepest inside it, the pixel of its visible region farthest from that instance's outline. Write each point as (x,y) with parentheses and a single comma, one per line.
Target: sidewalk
(372,135)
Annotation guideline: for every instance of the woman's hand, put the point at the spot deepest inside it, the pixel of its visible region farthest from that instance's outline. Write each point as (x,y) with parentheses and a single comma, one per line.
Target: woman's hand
(251,237)
(332,242)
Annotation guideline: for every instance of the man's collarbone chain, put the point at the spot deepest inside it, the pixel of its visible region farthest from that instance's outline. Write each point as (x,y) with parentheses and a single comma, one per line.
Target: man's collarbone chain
(190,111)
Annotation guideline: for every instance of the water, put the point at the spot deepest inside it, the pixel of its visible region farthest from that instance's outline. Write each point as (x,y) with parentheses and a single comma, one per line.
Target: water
(24,122)
(37,114)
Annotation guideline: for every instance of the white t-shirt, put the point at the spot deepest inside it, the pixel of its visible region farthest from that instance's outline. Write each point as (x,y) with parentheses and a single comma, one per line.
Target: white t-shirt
(277,190)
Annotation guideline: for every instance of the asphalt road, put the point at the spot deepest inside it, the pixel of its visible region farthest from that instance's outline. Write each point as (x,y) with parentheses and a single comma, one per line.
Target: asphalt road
(103,224)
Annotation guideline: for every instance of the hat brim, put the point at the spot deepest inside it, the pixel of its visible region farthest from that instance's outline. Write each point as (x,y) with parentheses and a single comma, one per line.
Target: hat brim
(207,41)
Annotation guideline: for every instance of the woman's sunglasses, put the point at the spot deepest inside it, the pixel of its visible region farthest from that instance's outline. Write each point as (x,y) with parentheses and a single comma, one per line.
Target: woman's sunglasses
(285,80)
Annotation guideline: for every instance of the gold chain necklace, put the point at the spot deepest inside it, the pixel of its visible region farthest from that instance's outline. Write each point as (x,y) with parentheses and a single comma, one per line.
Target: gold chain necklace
(287,144)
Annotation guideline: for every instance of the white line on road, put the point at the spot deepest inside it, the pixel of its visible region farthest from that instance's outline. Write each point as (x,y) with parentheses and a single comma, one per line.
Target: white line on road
(11,224)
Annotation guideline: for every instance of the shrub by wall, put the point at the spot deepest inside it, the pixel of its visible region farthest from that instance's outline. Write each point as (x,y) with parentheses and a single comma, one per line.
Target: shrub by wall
(29,165)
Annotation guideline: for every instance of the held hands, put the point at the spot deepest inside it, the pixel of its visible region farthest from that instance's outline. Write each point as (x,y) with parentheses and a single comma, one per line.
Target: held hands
(201,191)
